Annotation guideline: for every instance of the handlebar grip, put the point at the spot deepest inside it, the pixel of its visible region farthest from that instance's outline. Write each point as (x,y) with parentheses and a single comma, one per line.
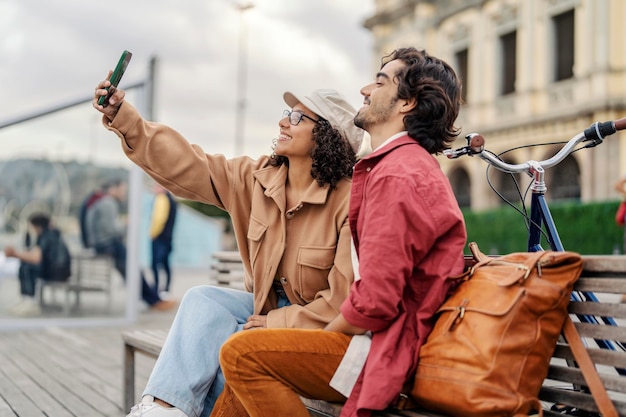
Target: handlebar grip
(599,131)
(620,124)
(477,143)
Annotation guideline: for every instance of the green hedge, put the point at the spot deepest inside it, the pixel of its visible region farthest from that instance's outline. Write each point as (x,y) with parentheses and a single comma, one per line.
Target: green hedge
(211,211)
(584,228)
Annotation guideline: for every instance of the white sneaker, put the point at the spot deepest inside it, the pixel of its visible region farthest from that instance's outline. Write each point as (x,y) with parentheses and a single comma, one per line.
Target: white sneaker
(28,308)
(17,306)
(148,408)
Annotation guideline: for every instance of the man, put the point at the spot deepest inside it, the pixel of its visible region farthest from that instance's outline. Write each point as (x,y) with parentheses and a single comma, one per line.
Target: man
(82,215)
(49,259)
(408,236)
(106,235)
(161,233)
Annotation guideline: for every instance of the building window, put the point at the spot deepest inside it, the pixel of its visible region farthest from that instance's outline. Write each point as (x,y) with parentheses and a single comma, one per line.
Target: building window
(461,71)
(508,54)
(460,182)
(564,181)
(509,187)
(564,45)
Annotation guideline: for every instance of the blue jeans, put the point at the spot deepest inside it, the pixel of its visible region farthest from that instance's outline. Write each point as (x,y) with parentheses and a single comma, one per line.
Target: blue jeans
(117,250)
(28,274)
(161,251)
(187,373)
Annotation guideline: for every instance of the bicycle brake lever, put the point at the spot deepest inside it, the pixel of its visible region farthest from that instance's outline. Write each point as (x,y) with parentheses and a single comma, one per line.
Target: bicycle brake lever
(456,153)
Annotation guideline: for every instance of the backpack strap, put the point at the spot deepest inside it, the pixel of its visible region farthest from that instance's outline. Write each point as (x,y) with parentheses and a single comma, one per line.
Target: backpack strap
(604,403)
(521,272)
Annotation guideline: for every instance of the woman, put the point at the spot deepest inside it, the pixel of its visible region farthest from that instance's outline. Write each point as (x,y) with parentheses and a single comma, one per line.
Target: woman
(290,218)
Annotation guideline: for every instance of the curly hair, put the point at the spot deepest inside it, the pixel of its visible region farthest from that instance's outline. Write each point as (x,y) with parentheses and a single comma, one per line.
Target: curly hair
(435,86)
(332,155)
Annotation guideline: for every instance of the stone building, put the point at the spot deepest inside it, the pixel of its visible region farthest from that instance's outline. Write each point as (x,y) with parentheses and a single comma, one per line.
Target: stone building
(533,71)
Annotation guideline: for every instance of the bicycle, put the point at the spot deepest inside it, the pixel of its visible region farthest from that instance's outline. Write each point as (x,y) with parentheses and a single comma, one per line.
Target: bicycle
(540,217)
(539,211)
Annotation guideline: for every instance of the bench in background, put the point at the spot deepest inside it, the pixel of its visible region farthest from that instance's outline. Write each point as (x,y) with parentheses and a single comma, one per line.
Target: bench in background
(227,269)
(605,276)
(90,273)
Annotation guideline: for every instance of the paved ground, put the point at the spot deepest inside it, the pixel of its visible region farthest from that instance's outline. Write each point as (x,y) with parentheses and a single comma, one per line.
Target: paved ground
(60,371)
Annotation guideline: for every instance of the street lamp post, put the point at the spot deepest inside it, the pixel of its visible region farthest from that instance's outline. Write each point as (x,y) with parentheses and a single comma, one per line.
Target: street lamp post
(240,109)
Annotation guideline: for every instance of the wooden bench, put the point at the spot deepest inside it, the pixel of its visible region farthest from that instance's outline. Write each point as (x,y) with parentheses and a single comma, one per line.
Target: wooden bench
(227,269)
(90,273)
(146,342)
(605,276)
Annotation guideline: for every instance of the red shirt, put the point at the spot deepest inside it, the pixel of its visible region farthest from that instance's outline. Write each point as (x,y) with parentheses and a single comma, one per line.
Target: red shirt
(409,235)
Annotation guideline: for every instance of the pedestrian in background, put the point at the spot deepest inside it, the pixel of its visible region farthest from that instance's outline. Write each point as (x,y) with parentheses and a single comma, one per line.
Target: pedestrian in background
(620,187)
(161,230)
(106,233)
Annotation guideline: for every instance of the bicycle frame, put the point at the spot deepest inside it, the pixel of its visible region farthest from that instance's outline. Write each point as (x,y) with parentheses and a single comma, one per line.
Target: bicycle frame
(540,214)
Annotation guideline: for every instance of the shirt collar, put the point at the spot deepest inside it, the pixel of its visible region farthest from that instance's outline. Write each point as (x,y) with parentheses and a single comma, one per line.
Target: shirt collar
(391,139)
(273,180)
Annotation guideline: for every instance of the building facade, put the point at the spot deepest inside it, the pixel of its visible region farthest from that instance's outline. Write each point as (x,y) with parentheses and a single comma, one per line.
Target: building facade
(533,72)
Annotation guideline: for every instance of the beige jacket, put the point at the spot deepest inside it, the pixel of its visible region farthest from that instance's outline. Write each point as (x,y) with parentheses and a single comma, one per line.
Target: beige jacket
(306,248)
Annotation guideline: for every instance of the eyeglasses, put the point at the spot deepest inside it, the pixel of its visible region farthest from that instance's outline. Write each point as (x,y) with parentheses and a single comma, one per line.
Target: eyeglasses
(295,117)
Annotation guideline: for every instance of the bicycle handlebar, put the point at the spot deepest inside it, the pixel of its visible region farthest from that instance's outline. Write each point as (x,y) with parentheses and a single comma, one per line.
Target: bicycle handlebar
(594,134)
(620,124)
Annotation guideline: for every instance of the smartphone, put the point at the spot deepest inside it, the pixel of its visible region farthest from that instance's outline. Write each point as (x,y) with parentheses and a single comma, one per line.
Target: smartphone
(116,76)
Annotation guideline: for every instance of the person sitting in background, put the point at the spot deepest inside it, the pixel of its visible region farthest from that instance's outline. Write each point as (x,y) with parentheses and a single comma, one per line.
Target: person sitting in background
(49,259)
(106,236)
(161,232)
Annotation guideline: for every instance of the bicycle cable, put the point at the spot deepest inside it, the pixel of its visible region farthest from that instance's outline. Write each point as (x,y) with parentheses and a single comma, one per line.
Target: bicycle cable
(523,211)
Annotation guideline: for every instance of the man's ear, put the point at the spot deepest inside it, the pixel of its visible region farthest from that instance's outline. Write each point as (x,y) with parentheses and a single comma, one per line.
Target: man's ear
(408,105)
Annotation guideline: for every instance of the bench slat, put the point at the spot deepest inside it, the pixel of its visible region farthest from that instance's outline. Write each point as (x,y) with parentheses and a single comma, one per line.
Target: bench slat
(617,311)
(601,285)
(569,397)
(227,266)
(606,357)
(595,331)
(604,263)
(145,341)
(574,376)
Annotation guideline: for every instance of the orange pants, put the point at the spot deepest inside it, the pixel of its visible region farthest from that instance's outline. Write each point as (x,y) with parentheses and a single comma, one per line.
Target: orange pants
(267,370)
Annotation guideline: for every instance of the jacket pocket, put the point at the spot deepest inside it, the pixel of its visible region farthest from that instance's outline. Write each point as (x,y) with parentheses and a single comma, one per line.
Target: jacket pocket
(256,235)
(314,264)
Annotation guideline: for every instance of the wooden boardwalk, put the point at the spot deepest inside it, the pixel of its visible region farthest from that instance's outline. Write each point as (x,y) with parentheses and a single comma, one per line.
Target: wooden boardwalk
(77,371)
(59,372)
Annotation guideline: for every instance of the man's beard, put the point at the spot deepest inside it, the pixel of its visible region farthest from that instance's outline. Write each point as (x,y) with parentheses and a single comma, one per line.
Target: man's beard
(359,121)
(377,115)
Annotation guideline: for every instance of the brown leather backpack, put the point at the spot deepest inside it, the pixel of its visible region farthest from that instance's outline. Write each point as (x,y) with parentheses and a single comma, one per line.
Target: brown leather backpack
(490,349)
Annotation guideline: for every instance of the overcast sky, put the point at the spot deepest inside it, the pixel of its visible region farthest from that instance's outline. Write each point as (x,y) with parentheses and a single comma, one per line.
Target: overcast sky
(54,52)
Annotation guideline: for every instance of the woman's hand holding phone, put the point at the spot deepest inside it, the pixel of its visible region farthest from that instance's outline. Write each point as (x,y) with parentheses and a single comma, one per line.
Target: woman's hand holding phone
(115,98)
(108,98)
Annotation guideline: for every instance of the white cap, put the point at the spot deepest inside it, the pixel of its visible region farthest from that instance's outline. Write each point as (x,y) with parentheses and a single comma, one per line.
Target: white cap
(332,106)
